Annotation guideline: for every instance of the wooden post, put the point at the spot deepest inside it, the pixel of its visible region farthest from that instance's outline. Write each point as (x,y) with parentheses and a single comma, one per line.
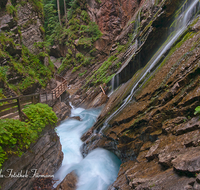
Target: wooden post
(19,108)
(33,99)
(102,89)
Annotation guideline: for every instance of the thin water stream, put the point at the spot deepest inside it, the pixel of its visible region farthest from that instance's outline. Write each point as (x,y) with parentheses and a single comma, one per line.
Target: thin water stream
(99,168)
(181,22)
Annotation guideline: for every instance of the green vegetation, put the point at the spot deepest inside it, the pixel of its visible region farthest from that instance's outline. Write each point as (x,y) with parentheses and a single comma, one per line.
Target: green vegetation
(11,9)
(29,69)
(197,110)
(78,31)
(16,136)
(98,1)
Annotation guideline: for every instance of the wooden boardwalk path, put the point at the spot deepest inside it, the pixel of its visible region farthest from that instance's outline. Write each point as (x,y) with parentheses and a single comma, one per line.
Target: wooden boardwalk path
(13,107)
(56,92)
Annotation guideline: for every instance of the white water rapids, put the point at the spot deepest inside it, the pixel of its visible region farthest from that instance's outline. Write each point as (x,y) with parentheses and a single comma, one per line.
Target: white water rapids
(99,168)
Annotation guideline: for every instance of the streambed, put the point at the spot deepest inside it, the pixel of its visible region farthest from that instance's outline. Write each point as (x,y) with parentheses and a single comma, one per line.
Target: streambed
(99,168)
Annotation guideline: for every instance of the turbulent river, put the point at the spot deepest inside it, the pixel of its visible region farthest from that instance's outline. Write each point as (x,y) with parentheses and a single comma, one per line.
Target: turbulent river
(99,168)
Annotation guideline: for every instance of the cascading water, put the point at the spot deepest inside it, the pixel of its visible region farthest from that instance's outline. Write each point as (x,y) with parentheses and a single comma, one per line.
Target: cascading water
(115,81)
(99,168)
(185,16)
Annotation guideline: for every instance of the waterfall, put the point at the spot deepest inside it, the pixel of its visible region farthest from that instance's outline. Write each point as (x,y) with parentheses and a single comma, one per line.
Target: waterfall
(115,81)
(99,168)
(185,16)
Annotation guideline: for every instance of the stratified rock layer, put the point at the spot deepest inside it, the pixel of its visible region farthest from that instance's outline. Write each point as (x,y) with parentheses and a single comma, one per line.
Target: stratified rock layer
(43,158)
(157,135)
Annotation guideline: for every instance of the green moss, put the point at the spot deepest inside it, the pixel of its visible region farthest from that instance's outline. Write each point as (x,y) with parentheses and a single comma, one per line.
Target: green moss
(98,1)
(17,136)
(11,10)
(29,68)
(42,30)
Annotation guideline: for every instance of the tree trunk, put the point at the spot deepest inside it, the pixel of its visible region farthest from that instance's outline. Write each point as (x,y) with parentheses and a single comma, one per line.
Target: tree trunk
(65,8)
(58,5)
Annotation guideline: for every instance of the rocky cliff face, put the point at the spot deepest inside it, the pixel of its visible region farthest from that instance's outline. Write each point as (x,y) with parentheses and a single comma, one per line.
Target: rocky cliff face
(25,66)
(43,158)
(157,134)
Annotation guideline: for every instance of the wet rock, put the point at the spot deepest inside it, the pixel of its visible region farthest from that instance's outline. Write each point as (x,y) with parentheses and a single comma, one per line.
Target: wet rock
(76,118)
(69,182)
(187,127)
(198,178)
(196,186)
(165,180)
(62,110)
(152,152)
(188,187)
(188,161)
(99,100)
(52,83)
(196,27)
(170,124)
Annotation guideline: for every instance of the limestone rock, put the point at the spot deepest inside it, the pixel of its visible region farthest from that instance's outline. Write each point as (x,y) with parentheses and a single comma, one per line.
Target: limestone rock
(44,157)
(7,22)
(196,27)
(198,178)
(189,161)
(76,118)
(99,100)
(69,182)
(31,33)
(187,127)
(152,152)
(169,124)
(62,110)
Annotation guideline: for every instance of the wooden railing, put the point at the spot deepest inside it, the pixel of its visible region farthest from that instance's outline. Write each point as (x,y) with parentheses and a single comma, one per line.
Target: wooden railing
(56,92)
(13,106)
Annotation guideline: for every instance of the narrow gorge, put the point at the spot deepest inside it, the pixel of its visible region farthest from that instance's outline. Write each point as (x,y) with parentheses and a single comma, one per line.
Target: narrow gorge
(128,114)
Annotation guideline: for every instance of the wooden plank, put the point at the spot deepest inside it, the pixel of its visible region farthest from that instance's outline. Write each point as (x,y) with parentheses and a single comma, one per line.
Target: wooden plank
(8,111)
(8,106)
(10,116)
(31,95)
(7,99)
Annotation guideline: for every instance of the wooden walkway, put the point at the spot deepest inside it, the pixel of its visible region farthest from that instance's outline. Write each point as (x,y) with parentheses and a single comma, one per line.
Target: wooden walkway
(13,107)
(56,92)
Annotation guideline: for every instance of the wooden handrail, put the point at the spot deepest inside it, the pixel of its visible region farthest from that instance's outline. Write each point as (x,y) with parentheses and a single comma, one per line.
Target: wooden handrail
(12,107)
(60,89)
